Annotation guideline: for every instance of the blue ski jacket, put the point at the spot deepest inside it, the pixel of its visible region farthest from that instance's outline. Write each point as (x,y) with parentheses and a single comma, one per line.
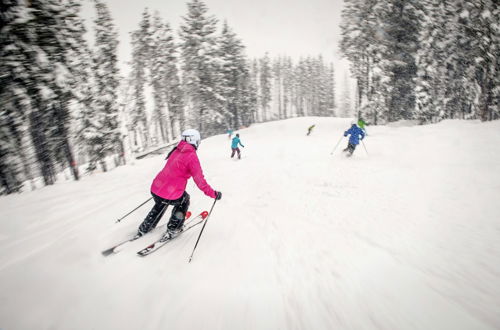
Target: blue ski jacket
(235,142)
(355,132)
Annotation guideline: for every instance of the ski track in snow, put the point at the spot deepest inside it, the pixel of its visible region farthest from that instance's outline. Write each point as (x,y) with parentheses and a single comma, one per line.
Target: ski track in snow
(405,237)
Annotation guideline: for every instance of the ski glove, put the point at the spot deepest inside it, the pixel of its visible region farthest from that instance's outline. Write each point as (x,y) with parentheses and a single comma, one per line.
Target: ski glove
(218,195)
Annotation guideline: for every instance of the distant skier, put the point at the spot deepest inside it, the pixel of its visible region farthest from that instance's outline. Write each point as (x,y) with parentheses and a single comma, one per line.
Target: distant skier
(355,133)
(169,185)
(309,130)
(234,146)
(229,133)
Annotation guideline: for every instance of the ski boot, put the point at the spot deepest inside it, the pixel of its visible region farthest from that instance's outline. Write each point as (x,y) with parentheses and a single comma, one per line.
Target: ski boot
(176,225)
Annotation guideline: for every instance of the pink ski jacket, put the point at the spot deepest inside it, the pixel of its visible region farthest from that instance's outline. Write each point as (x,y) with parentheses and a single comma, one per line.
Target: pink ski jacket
(182,164)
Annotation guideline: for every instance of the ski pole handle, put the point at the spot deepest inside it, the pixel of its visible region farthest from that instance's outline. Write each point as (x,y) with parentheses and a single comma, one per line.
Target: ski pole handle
(201,231)
(126,215)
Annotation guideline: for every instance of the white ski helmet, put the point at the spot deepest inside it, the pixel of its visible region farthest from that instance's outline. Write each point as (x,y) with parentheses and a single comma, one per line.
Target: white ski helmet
(191,136)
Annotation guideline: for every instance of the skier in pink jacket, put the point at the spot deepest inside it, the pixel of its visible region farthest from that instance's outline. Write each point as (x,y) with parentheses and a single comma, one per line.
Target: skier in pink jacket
(169,186)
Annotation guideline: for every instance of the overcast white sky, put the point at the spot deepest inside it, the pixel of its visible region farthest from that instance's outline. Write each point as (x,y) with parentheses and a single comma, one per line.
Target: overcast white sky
(280,27)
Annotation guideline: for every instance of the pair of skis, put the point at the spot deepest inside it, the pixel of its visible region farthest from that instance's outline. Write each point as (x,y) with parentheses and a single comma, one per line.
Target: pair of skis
(190,223)
(167,237)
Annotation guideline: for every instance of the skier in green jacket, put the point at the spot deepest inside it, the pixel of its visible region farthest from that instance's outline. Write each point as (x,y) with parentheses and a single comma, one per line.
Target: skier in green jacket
(309,130)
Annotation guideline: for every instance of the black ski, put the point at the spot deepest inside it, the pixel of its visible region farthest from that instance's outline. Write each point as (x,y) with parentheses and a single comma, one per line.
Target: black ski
(113,249)
(167,238)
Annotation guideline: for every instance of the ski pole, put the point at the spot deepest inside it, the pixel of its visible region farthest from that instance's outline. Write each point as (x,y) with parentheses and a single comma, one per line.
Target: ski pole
(364,147)
(201,231)
(331,153)
(126,215)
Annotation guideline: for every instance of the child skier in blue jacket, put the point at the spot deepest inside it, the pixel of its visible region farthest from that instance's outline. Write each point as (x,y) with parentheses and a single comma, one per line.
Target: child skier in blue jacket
(355,132)
(234,146)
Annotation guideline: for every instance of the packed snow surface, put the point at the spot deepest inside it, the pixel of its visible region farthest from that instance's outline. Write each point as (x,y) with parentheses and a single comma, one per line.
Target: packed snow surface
(403,235)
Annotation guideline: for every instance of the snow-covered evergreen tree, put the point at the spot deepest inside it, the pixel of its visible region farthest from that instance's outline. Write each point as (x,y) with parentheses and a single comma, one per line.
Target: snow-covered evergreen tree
(345,99)
(265,86)
(287,86)
(173,93)
(51,93)
(42,73)
(254,82)
(103,134)
(14,97)
(365,44)
(433,56)
(235,84)
(480,25)
(427,60)
(402,27)
(201,70)
(276,67)
(323,98)
(248,99)
(457,66)
(330,91)
(355,41)
(308,85)
(300,74)
(167,93)
(161,115)
(81,81)
(141,57)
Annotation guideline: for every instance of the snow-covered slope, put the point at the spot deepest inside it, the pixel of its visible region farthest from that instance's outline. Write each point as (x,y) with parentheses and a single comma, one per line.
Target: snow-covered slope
(407,237)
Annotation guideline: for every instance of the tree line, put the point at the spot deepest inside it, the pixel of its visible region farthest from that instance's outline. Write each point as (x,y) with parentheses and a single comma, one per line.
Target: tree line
(64,103)
(424,60)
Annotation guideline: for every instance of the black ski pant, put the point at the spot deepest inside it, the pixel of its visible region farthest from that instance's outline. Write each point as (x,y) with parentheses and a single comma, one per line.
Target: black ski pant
(181,206)
(350,148)
(234,151)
